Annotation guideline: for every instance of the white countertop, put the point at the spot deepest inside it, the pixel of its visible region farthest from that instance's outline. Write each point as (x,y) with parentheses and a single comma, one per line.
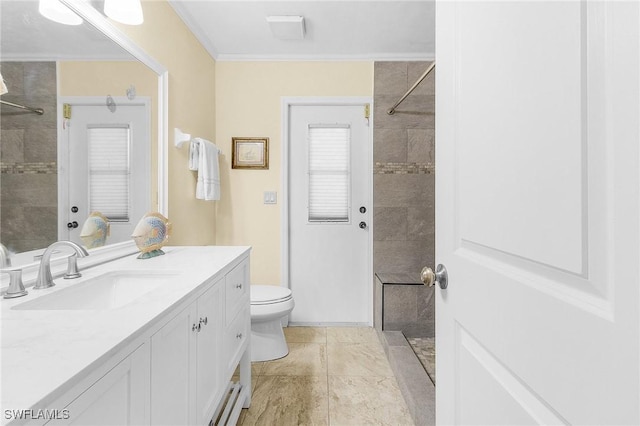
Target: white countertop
(44,353)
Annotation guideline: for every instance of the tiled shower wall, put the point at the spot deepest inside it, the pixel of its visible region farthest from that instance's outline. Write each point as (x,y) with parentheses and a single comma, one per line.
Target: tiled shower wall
(28,157)
(403,182)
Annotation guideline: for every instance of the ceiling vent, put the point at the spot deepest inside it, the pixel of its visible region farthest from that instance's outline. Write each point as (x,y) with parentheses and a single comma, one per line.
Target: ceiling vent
(287,27)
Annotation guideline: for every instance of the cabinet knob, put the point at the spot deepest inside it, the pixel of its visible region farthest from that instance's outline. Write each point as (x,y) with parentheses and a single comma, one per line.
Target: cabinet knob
(204,320)
(195,327)
(239,285)
(239,336)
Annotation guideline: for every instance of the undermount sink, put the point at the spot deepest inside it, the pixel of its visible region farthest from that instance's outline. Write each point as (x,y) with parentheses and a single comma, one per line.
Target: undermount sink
(107,291)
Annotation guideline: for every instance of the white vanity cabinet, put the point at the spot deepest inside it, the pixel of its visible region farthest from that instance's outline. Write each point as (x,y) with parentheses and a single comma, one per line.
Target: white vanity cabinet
(178,368)
(120,397)
(186,362)
(194,356)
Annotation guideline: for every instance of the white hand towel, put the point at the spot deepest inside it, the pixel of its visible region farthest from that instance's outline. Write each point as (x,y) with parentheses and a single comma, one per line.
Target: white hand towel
(208,184)
(194,154)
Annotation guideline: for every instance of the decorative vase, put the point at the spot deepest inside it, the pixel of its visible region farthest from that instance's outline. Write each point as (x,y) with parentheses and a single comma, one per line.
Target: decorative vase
(95,230)
(151,233)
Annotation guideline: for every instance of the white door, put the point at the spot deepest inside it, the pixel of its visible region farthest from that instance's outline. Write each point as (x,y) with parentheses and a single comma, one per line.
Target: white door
(107,166)
(537,212)
(329,150)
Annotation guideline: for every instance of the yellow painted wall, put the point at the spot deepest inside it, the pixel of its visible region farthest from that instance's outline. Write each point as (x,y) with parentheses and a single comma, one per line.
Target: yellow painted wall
(191,108)
(248,103)
(102,78)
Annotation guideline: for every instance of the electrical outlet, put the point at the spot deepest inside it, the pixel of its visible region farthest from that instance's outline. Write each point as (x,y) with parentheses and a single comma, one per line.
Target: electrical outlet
(270,197)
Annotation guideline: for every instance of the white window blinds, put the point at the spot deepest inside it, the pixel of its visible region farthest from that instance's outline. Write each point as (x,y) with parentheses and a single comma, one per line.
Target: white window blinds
(329,173)
(109,171)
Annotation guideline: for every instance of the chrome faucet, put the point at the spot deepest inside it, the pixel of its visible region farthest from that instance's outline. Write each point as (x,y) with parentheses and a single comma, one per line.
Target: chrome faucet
(5,260)
(45,280)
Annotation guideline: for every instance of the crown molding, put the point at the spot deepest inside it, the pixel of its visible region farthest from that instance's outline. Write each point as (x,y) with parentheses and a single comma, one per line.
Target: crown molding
(193,26)
(378,57)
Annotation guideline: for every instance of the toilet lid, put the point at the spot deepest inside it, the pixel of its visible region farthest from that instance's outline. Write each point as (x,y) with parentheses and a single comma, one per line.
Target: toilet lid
(267,294)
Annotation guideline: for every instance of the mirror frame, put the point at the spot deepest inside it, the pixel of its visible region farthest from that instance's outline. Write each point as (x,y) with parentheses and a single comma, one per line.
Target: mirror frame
(114,251)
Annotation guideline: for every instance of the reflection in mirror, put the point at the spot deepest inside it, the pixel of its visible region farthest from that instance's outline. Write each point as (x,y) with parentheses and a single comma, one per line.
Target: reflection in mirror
(49,186)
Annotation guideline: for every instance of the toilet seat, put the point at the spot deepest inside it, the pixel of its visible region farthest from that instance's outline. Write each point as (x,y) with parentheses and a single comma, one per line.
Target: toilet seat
(269,295)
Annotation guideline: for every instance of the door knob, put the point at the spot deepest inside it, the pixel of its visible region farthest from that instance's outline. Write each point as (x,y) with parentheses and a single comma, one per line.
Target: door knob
(363,209)
(429,278)
(73,224)
(362,225)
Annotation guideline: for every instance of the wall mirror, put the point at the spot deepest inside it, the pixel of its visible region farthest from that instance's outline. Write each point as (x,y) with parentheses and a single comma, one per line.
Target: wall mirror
(43,62)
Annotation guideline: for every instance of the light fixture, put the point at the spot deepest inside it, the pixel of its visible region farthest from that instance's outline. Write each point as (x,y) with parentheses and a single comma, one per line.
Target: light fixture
(124,11)
(58,12)
(287,27)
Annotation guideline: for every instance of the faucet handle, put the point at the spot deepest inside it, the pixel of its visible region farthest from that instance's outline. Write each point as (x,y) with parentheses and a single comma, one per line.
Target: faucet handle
(16,287)
(72,268)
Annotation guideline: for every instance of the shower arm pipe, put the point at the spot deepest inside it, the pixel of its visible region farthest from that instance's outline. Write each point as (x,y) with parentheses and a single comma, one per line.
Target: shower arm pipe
(38,111)
(392,110)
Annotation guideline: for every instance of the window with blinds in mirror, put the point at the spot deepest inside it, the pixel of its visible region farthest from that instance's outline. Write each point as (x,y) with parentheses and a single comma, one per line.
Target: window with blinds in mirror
(329,172)
(110,171)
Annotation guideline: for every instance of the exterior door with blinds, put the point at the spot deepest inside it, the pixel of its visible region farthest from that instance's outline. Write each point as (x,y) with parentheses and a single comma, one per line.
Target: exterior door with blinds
(329,187)
(108,168)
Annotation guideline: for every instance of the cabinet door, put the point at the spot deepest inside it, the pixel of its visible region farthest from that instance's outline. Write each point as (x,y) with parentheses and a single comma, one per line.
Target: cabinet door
(173,358)
(209,349)
(120,397)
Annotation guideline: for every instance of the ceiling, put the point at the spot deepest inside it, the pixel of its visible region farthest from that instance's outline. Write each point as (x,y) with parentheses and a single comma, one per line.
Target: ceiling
(238,30)
(335,30)
(25,35)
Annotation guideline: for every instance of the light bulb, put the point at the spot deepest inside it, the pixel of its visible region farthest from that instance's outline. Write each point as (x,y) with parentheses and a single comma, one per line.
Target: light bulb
(124,11)
(58,12)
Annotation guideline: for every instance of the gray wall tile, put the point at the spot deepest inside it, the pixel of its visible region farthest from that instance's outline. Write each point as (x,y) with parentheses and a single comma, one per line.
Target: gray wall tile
(400,256)
(401,190)
(11,145)
(28,186)
(404,188)
(421,146)
(40,79)
(390,145)
(390,223)
(40,144)
(400,304)
(390,78)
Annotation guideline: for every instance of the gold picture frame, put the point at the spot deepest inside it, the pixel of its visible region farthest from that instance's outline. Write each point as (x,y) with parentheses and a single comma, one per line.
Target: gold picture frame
(250,153)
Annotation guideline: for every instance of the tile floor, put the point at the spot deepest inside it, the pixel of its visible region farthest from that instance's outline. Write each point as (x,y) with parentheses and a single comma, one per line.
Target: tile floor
(332,376)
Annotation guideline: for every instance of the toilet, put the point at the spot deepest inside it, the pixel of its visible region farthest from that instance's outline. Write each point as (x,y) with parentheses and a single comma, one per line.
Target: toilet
(269,305)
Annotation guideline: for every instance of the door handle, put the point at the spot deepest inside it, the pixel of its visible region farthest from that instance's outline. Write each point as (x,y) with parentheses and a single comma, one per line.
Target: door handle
(429,278)
(362,225)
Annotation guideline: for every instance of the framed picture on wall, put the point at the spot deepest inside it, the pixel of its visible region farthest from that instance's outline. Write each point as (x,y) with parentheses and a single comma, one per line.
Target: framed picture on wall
(250,153)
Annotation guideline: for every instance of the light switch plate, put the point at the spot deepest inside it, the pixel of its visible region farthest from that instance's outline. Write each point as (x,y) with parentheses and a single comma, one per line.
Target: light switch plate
(270,197)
